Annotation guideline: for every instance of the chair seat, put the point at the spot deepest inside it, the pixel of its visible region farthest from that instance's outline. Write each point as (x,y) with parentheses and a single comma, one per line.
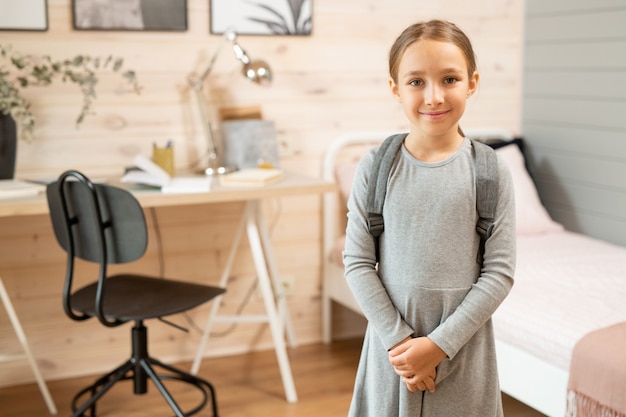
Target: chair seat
(137,297)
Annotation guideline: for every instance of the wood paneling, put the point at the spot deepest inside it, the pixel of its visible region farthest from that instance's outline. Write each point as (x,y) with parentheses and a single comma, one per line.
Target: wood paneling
(326,84)
(573,107)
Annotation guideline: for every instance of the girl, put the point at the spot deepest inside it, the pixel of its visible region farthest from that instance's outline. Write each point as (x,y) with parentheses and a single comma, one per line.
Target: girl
(429,346)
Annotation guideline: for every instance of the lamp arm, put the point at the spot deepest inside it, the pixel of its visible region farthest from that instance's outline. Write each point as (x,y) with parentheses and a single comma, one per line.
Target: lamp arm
(206,123)
(196,84)
(208,70)
(240,54)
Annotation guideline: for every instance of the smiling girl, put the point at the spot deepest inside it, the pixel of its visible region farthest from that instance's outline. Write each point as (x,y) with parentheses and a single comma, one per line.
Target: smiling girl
(429,347)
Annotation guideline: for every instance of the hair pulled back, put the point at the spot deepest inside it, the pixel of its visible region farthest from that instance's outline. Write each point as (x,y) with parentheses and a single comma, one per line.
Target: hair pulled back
(434,30)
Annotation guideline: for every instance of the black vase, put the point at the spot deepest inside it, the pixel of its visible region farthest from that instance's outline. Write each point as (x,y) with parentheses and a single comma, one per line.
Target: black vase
(8,146)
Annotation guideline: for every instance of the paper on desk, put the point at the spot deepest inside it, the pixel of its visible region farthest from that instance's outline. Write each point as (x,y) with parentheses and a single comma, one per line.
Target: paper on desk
(151,174)
(180,185)
(18,188)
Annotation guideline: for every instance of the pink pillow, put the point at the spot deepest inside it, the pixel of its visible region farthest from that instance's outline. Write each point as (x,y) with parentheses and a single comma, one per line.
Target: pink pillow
(532,217)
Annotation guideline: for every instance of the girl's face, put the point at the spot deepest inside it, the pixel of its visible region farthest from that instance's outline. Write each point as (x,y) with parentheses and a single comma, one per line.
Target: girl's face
(433,87)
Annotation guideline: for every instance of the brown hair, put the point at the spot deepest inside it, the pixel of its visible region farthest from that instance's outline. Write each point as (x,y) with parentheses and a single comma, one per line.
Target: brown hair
(436,30)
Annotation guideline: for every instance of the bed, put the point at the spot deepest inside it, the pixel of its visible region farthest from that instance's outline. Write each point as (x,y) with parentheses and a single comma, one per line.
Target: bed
(566,284)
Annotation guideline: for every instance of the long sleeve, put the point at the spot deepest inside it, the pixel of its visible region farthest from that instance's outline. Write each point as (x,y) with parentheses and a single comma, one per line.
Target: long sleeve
(360,262)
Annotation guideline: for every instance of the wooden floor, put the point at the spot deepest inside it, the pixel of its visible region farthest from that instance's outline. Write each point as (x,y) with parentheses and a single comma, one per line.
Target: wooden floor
(247,386)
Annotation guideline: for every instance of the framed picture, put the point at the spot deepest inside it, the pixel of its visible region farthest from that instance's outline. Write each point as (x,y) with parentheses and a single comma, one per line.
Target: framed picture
(152,15)
(24,15)
(262,17)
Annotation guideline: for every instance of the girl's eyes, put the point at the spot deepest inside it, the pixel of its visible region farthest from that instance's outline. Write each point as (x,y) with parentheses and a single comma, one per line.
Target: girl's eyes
(419,83)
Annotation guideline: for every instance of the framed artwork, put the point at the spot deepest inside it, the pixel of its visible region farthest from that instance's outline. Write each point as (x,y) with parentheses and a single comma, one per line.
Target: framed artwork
(150,15)
(24,15)
(262,17)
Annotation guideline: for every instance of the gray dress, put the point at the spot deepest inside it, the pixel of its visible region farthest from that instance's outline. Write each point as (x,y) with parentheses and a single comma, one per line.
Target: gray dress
(429,284)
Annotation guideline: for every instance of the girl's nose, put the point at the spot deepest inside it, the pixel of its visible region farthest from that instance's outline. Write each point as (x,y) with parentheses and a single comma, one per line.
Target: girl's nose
(433,95)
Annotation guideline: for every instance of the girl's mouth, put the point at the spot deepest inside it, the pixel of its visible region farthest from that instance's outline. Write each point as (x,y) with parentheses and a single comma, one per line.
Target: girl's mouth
(435,115)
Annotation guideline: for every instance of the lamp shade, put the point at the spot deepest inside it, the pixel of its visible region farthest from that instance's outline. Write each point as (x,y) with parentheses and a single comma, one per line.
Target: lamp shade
(258,71)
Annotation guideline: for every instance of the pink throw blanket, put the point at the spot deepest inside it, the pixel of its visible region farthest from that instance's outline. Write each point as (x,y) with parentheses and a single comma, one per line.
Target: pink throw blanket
(597,380)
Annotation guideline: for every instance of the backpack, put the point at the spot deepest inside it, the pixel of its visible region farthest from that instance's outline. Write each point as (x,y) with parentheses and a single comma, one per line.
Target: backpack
(486,182)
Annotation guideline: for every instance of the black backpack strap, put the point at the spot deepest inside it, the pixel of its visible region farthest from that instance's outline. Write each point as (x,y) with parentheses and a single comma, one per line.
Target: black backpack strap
(486,178)
(377,184)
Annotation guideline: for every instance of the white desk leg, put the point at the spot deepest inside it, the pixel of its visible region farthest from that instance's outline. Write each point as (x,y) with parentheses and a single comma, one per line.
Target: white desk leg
(283,311)
(265,284)
(22,338)
(195,367)
(327,330)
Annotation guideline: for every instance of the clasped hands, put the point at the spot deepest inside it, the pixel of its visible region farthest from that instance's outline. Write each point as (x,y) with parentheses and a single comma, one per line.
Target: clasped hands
(416,360)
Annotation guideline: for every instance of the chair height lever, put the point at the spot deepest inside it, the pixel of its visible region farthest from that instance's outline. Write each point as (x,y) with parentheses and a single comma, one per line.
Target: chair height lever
(184,329)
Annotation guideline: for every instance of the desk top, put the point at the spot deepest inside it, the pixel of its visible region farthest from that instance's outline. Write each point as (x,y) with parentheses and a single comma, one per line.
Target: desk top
(290,185)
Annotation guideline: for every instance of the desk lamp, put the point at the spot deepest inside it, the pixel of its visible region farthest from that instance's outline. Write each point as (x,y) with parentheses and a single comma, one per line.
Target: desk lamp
(257,71)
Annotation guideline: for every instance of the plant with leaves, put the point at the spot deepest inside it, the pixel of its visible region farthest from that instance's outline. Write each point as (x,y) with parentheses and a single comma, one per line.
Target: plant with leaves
(19,71)
(300,25)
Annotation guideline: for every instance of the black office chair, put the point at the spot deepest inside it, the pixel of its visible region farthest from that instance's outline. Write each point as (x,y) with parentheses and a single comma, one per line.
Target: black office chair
(106,225)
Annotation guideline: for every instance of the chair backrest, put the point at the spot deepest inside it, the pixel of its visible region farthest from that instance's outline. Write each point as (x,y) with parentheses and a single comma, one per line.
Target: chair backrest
(96,222)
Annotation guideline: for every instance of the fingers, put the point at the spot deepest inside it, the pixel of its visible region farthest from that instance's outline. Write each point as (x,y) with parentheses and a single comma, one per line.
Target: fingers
(411,387)
(411,378)
(426,384)
(429,384)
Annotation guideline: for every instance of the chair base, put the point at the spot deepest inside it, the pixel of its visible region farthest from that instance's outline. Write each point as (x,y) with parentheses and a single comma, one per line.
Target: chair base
(139,368)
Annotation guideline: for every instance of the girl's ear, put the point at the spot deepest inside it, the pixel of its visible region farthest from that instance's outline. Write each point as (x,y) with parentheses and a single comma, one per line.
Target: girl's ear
(394,89)
(473,83)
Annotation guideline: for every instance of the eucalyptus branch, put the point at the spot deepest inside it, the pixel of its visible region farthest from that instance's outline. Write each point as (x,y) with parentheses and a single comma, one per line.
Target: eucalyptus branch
(18,71)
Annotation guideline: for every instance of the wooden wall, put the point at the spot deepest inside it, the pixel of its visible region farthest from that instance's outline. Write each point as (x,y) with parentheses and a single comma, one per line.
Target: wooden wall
(573,112)
(325,85)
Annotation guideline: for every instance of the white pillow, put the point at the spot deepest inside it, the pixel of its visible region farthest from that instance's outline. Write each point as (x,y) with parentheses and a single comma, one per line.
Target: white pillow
(531,216)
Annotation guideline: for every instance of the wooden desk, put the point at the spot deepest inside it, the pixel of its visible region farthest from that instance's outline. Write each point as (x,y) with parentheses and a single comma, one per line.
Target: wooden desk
(291,185)
(252,221)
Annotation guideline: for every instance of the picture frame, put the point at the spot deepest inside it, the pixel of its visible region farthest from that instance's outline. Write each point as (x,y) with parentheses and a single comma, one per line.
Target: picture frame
(125,15)
(27,15)
(262,17)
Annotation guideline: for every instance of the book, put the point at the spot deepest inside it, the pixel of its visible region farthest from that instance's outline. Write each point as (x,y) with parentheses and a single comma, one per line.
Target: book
(252,176)
(19,188)
(146,172)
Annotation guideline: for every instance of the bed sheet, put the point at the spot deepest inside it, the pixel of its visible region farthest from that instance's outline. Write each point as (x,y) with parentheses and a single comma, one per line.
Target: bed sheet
(566,285)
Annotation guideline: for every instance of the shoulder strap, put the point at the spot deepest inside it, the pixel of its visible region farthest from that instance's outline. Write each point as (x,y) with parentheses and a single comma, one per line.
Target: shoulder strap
(486,178)
(377,184)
